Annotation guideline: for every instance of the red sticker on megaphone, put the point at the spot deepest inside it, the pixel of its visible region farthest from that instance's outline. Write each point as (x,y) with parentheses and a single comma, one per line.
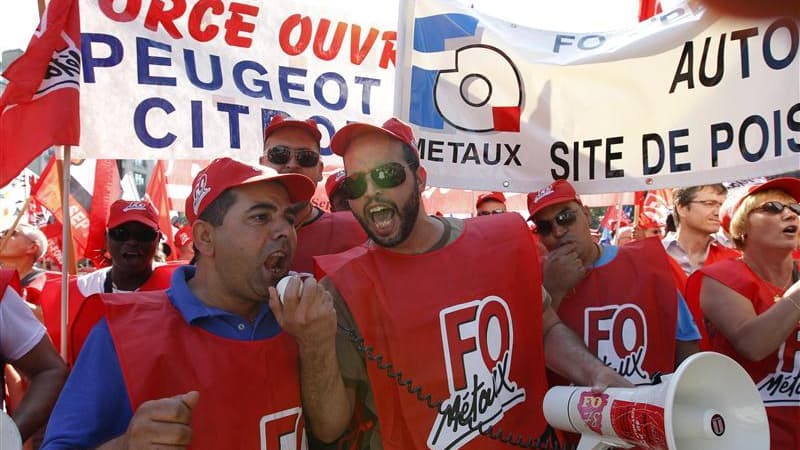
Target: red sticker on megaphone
(639,423)
(590,407)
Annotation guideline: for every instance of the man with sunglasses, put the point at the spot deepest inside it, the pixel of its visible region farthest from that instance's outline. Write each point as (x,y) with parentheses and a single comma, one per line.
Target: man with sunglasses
(132,235)
(204,364)
(428,294)
(490,203)
(623,301)
(293,146)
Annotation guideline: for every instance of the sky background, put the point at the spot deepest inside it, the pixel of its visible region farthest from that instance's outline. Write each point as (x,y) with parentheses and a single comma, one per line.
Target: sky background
(20,17)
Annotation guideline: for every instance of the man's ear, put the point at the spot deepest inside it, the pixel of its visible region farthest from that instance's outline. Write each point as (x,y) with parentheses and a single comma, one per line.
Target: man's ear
(422,178)
(203,237)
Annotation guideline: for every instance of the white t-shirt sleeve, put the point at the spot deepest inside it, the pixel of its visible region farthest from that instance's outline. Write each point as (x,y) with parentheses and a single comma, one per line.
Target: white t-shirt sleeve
(20,331)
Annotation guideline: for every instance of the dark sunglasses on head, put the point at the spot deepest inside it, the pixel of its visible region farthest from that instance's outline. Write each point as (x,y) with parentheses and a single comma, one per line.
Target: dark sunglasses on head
(140,235)
(564,219)
(385,176)
(777,208)
(494,211)
(281,154)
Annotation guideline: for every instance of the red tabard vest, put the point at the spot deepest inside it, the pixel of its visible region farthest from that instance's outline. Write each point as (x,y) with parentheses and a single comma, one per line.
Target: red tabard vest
(249,390)
(330,233)
(464,322)
(50,300)
(777,377)
(626,312)
(9,277)
(716,252)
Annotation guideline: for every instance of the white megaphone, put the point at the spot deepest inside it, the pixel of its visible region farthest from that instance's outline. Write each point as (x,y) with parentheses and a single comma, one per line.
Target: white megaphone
(709,403)
(9,434)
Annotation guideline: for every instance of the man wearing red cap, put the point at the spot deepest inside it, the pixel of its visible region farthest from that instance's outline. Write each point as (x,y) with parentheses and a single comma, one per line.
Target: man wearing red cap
(205,362)
(490,203)
(623,301)
(132,235)
(293,146)
(333,187)
(457,322)
(184,243)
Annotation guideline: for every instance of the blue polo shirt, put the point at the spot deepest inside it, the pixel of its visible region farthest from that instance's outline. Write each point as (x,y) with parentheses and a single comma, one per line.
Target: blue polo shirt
(686,329)
(94,408)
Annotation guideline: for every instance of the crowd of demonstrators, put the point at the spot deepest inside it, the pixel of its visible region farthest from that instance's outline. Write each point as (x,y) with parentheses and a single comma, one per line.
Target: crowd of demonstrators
(160,352)
(132,237)
(752,303)
(454,288)
(293,146)
(24,344)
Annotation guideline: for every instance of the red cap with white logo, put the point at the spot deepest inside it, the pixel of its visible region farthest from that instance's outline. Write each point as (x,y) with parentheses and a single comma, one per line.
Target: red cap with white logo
(183,236)
(559,191)
(787,184)
(394,128)
(279,122)
(123,211)
(225,173)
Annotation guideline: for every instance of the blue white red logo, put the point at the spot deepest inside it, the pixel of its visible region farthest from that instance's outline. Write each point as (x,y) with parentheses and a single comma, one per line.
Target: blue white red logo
(476,87)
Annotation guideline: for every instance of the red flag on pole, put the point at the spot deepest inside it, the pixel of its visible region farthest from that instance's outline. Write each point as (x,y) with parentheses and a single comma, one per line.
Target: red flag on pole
(157,194)
(39,107)
(106,190)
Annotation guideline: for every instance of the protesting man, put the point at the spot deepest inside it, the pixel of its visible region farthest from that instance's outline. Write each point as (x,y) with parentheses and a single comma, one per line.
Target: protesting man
(696,212)
(21,249)
(24,344)
(132,236)
(205,362)
(442,315)
(490,203)
(183,243)
(292,146)
(610,295)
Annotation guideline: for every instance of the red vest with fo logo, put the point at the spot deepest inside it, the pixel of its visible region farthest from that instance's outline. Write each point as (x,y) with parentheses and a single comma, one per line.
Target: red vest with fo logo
(463,322)
(626,312)
(249,390)
(777,377)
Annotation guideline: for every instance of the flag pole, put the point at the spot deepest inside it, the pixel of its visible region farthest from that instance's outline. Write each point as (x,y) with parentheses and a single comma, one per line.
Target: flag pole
(66,240)
(405,19)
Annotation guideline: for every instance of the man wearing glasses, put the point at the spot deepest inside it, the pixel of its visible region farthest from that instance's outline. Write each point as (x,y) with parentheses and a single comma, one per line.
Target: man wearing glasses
(623,301)
(293,146)
(490,203)
(132,235)
(454,307)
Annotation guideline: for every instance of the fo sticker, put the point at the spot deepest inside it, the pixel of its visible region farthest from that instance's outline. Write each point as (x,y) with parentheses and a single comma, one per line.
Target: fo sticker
(590,407)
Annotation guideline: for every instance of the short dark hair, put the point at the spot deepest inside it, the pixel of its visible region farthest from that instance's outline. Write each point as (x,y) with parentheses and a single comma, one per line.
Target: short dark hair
(216,211)
(411,158)
(684,196)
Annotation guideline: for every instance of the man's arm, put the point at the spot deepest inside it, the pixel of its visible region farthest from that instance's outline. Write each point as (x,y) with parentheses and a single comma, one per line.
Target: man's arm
(567,355)
(311,319)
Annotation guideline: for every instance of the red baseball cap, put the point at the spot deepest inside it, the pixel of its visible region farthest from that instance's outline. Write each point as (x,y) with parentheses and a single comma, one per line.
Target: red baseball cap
(141,211)
(279,122)
(559,191)
(226,173)
(334,182)
(786,184)
(394,128)
(183,236)
(496,196)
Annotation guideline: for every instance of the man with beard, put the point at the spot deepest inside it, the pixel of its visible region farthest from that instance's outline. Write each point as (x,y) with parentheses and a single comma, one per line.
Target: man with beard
(446,304)
(132,235)
(292,146)
(205,362)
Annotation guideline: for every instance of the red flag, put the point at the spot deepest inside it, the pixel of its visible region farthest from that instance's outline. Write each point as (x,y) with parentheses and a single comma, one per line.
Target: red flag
(613,215)
(653,207)
(648,9)
(54,253)
(157,194)
(106,190)
(39,107)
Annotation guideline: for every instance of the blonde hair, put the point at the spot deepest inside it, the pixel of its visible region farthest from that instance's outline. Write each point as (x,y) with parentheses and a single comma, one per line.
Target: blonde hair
(738,225)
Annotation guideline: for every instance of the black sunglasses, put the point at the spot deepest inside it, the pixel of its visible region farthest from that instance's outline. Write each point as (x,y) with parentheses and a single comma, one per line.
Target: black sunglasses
(281,154)
(777,208)
(494,211)
(385,176)
(140,235)
(564,219)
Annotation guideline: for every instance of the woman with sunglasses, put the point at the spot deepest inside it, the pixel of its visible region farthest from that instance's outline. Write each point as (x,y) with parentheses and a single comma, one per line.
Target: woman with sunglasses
(752,304)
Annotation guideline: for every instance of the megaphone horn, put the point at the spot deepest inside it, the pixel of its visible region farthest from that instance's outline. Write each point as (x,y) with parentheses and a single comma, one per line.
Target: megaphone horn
(689,410)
